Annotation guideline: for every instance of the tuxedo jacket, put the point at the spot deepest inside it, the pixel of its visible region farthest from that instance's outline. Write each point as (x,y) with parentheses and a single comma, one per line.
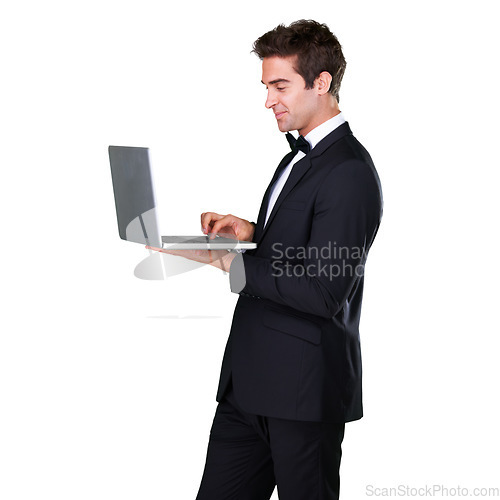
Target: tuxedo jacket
(294,349)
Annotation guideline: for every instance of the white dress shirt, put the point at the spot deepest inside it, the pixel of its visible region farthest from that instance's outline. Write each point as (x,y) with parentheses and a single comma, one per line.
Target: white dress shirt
(313,138)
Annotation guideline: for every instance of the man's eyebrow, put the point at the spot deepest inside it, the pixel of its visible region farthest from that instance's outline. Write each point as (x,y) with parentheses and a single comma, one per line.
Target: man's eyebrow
(278,80)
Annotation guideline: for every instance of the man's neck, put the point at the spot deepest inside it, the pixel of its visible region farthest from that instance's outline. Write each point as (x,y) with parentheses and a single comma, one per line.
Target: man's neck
(327,114)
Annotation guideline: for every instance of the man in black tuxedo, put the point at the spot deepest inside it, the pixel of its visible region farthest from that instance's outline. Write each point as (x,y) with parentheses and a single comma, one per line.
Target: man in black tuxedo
(291,374)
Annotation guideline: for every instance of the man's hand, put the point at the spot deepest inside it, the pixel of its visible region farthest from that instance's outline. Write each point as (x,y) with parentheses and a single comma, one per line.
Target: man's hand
(218,258)
(230,225)
(212,223)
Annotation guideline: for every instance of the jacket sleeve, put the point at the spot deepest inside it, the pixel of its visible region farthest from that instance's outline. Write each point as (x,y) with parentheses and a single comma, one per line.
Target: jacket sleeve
(347,212)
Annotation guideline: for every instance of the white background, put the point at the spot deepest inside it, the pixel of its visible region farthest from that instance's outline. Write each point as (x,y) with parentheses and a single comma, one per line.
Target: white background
(107,382)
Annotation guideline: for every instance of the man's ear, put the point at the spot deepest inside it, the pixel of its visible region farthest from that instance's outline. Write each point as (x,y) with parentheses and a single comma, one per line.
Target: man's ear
(323,82)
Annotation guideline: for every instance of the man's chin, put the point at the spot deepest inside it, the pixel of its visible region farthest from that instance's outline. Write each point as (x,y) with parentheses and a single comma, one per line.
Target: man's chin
(284,128)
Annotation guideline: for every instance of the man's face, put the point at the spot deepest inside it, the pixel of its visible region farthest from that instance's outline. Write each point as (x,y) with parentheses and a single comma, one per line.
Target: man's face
(294,106)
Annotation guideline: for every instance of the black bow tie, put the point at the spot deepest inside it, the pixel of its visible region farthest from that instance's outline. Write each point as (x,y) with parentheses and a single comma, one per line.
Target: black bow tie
(299,144)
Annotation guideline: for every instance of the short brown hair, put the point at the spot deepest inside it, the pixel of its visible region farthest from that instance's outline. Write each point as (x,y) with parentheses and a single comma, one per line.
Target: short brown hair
(316,47)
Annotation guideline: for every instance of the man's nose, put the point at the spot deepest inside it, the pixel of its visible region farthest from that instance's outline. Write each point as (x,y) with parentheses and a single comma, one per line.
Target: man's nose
(270,101)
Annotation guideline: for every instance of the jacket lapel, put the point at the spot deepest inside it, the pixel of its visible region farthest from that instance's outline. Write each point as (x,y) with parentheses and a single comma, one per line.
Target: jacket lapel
(265,200)
(298,171)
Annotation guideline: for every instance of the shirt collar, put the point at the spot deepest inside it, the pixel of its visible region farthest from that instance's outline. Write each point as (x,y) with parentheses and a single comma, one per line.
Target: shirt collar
(321,131)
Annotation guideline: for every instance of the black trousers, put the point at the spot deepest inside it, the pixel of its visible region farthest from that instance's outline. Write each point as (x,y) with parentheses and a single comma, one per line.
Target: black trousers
(248,455)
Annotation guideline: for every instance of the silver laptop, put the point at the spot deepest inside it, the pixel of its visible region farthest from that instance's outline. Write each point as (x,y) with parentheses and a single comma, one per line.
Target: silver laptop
(136,207)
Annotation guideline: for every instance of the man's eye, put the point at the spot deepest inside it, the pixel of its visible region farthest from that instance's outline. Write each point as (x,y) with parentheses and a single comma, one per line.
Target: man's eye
(280,88)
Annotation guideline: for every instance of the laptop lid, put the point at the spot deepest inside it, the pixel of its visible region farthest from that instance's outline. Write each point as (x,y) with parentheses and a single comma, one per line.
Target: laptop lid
(134,195)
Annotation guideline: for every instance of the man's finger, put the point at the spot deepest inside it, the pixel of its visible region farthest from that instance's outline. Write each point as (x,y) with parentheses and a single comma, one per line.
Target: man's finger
(207,218)
(227,221)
